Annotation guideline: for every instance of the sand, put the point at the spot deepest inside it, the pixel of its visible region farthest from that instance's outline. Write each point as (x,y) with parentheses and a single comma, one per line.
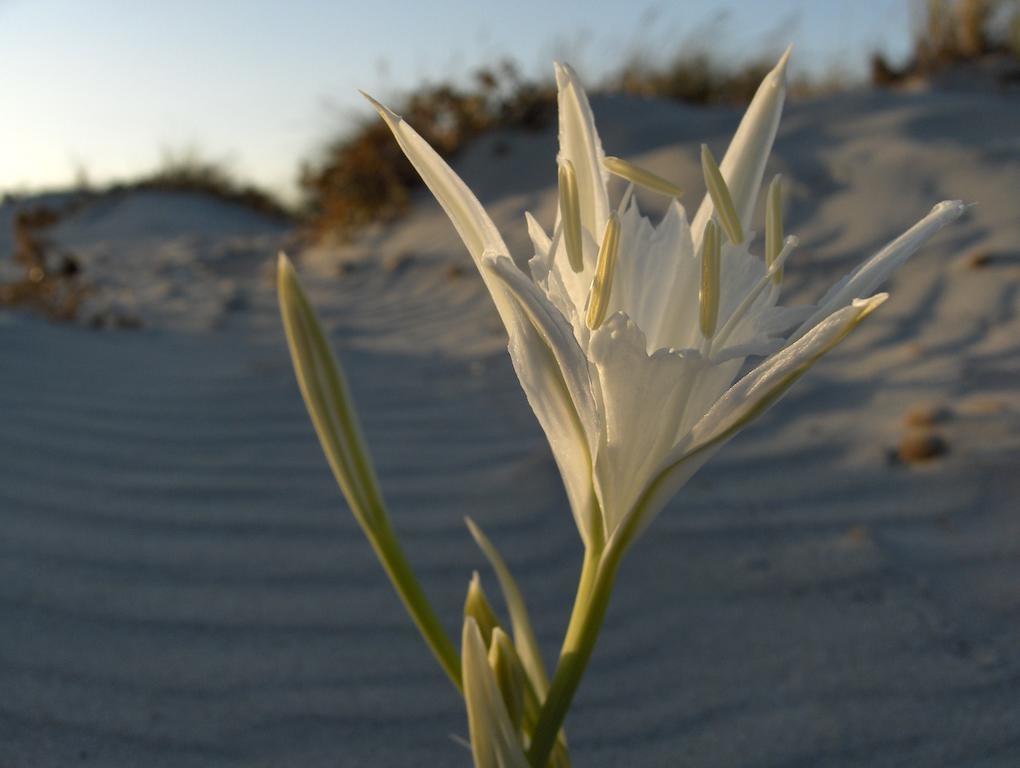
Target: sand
(182,584)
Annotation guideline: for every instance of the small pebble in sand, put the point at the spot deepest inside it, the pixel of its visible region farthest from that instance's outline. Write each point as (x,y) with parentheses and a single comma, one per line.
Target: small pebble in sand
(397,262)
(859,534)
(925,414)
(917,447)
(977,258)
(454,271)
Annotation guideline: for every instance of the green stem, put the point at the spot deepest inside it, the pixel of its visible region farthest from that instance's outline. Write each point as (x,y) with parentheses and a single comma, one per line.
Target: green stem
(597,576)
(589,570)
(392,558)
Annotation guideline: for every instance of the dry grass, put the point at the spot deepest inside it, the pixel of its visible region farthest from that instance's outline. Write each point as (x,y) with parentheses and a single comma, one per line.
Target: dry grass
(953,33)
(51,282)
(694,79)
(186,170)
(363,176)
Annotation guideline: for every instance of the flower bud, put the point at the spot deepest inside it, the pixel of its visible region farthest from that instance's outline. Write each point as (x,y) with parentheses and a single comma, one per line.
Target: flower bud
(476,606)
(509,673)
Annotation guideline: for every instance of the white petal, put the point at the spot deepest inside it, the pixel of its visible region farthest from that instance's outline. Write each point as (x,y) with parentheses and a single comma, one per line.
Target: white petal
(755,393)
(775,375)
(548,362)
(744,163)
(554,374)
(580,144)
(539,239)
(565,289)
(468,216)
(494,742)
(873,272)
(656,282)
(643,398)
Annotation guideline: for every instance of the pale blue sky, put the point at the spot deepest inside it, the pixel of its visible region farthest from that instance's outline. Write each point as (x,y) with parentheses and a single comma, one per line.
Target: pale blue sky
(107,85)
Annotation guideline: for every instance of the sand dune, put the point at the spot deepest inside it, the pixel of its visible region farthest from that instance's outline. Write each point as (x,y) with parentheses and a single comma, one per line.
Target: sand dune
(182,584)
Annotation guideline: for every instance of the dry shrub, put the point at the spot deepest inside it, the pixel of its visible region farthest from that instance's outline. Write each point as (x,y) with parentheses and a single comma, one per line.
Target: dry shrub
(185,170)
(693,79)
(363,176)
(954,32)
(51,282)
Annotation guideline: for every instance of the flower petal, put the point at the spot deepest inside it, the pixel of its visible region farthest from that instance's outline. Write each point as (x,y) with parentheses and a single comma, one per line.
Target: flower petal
(539,239)
(744,163)
(554,374)
(550,271)
(643,399)
(468,216)
(656,281)
(494,741)
(547,359)
(580,144)
(873,272)
(755,393)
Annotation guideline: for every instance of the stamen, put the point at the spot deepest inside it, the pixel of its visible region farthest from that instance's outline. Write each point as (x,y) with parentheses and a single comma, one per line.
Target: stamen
(709,295)
(602,286)
(774,226)
(570,212)
(738,314)
(643,178)
(721,198)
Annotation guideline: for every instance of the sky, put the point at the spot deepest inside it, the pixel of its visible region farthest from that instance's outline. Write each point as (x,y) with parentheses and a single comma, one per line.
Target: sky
(103,89)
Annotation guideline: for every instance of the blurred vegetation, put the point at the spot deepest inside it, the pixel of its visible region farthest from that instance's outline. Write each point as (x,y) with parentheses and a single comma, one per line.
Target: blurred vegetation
(694,78)
(955,33)
(50,281)
(363,176)
(49,278)
(186,170)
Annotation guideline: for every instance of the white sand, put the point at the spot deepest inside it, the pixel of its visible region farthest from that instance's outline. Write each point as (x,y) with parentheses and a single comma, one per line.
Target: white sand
(182,585)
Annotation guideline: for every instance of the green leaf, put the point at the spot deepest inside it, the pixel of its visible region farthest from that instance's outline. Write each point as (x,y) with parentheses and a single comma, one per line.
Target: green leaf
(524,636)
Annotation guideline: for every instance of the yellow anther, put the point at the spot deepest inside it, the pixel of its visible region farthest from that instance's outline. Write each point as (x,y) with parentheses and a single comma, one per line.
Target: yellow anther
(570,213)
(643,178)
(602,286)
(721,198)
(708,297)
(774,227)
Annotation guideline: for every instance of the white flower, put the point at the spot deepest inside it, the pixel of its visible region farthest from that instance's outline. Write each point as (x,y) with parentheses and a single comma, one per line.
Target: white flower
(630,368)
